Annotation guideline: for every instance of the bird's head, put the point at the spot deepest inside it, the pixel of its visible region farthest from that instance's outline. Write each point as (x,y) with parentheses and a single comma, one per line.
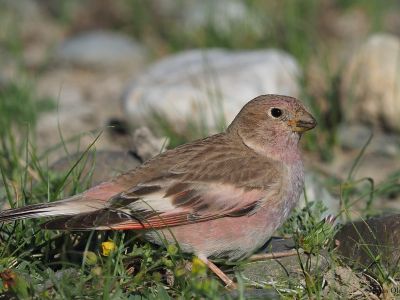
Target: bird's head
(272,122)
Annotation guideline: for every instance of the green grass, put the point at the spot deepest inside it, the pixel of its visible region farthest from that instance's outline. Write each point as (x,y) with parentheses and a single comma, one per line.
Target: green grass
(45,264)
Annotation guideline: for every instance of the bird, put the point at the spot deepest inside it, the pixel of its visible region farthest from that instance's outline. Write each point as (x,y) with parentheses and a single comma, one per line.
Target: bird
(220,197)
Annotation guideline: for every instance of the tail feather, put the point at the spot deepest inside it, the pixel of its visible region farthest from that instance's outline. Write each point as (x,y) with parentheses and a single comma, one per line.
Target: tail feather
(31,211)
(103,219)
(89,201)
(67,207)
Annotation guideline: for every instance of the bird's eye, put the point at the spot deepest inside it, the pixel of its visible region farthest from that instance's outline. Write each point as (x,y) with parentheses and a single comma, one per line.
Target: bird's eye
(276,112)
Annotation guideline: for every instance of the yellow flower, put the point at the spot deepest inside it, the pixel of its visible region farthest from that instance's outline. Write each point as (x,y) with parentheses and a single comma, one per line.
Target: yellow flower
(107,248)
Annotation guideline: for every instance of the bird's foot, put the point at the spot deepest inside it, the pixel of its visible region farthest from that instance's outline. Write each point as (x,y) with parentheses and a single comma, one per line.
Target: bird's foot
(229,283)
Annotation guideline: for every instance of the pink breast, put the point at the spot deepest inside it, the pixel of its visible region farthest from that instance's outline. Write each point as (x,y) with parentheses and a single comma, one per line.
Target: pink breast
(242,235)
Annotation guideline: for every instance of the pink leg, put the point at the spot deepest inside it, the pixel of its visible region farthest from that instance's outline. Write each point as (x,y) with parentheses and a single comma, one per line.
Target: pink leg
(229,284)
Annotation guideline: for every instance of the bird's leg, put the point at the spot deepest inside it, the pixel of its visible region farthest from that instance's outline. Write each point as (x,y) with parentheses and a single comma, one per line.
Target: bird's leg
(229,284)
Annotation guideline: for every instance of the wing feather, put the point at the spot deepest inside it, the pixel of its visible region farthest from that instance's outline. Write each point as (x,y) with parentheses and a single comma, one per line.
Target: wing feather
(210,180)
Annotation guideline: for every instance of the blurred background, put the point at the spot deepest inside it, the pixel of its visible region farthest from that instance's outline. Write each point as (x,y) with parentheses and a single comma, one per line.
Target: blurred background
(69,69)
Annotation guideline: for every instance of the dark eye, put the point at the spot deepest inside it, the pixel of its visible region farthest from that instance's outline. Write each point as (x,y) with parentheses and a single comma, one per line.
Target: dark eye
(276,112)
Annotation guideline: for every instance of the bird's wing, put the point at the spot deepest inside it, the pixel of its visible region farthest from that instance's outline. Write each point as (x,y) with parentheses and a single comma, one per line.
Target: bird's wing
(221,184)
(181,204)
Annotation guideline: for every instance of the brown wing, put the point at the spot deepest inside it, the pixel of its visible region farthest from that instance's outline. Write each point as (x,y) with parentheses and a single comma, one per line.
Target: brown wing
(208,181)
(187,204)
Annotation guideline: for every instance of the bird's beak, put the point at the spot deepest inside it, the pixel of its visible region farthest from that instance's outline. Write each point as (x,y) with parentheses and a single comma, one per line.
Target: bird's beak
(302,122)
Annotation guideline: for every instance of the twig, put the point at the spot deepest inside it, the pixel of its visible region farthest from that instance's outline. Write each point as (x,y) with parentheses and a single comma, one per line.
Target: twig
(273,255)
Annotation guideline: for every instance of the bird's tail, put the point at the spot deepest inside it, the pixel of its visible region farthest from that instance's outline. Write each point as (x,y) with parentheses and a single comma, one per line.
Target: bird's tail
(67,207)
(89,201)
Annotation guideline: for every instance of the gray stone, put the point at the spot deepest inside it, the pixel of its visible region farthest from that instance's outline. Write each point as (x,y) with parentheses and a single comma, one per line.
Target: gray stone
(370,89)
(269,271)
(102,49)
(97,166)
(360,243)
(355,137)
(84,107)
(73,116)
(207,86)
(254,294)
(102,165)
(282,269)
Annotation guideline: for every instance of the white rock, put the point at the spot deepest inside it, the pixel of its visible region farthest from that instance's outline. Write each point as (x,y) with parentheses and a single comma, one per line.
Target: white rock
(203,86)
(370,90)
(101,49)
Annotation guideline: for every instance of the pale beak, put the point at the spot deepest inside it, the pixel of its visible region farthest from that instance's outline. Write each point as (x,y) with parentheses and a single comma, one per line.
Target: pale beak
(303,122)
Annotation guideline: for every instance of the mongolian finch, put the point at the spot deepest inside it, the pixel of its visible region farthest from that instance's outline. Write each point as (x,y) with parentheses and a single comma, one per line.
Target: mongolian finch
(218,197)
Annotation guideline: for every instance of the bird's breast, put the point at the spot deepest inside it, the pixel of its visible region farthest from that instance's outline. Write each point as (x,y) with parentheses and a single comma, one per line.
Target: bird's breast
(292,188)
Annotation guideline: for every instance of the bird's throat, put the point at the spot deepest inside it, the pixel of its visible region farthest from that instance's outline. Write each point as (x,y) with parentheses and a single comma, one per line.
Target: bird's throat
(283,148)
